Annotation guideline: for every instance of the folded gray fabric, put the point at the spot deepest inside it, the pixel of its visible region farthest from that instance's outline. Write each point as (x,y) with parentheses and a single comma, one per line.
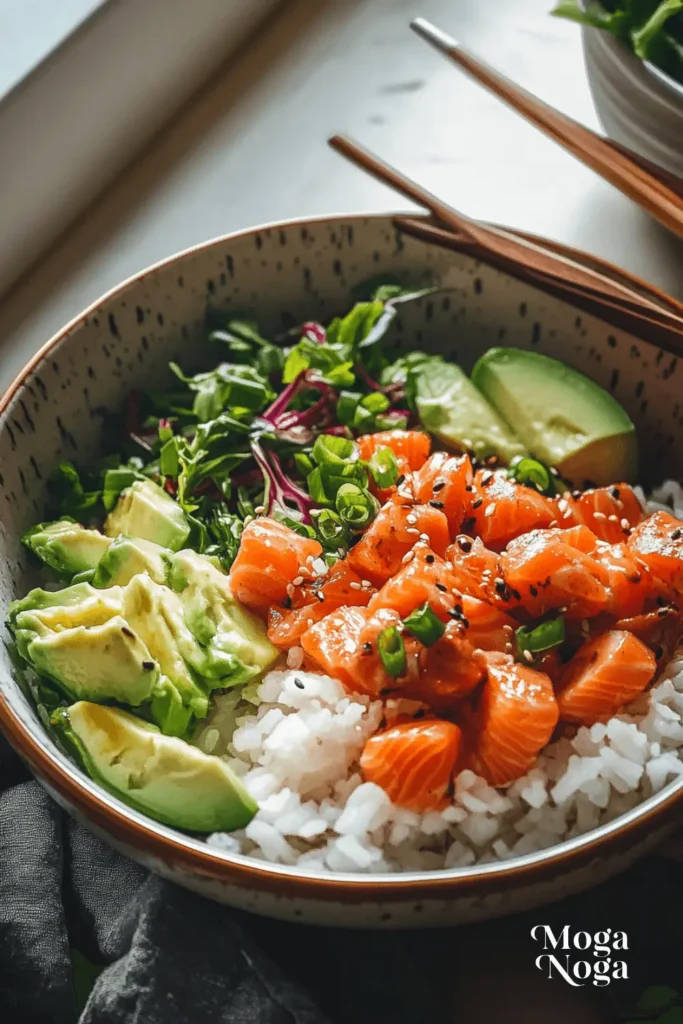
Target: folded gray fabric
(168,956)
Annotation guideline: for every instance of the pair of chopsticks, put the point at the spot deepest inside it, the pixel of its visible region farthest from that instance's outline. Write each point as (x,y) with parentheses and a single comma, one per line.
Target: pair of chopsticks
(587,283)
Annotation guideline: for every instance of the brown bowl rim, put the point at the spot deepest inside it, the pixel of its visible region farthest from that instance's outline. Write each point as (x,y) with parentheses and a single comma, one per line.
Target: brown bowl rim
(176,850)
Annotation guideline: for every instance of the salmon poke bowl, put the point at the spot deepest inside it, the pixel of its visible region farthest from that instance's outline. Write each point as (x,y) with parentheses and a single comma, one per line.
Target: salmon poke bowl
(375,589)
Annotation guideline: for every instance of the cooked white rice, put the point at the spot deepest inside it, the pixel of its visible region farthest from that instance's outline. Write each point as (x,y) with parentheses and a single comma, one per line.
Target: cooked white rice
(298,756)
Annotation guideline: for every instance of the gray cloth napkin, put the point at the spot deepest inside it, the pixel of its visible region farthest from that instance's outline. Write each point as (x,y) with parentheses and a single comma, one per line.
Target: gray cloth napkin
(69,905)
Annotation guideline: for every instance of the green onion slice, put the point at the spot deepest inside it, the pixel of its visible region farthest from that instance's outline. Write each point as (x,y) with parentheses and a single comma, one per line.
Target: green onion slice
(347,405)
(425,624)
(330,448)
(384,467)
(532,473)
(355,506)
(541,638)
(392,651)
(330,526)
(375,402)
(303,463)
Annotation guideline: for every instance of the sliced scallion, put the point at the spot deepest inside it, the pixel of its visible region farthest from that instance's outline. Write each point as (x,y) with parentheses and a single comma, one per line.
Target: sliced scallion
(330,448)
(392,651)
(384,467)
(331,529)
(540,638)
(356,507)
(347,405)
(375,402)
(425,624)
(532,473)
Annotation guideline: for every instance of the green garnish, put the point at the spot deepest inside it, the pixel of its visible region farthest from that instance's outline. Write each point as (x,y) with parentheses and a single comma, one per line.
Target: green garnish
(425,624)
(346,406)
(392,651)
(541,638)
(532,473)
(384,467)
(356,506)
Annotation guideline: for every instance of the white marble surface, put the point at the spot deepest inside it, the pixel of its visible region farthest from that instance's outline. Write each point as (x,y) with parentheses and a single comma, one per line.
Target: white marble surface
(252,149)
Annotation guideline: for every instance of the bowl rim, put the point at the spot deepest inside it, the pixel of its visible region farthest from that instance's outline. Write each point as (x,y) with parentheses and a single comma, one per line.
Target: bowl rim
(179,851)
(622,53)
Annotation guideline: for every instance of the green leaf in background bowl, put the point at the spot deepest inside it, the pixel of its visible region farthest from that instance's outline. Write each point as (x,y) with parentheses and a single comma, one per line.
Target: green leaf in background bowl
(85,974)
(657,998)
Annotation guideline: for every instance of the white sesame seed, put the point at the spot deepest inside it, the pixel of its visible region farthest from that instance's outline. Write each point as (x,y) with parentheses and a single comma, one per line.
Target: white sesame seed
(425,537)
(366,584)
(552,524)
(599,515)
(490,510)
(260,509)
(412,519)
(625,525)
(412,530)
(354,585)
(613,519)
(297,581)
(528,656)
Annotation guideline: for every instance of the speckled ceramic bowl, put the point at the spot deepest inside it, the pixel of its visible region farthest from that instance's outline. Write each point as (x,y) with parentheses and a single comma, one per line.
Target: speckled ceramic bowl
(638,105)
(285,274)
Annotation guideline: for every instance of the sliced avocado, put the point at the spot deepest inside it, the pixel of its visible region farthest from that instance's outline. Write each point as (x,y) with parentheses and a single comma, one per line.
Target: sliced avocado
(164,777)
(128,557)
(104,662)
(562,417)
(452,409)
(236,639)
(78,605)
(155,613)
(146,511)
(66,546)
(167,710)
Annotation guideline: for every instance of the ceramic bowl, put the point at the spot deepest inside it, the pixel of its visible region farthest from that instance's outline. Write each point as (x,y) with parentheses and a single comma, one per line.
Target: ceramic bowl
(637,104)
(284,274)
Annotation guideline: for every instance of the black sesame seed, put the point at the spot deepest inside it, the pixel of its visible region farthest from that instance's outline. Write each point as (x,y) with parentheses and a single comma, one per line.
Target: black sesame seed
(148,665)
(469,487)
(436,504)
(464,543)
(516,594)
(676,534)
(477,503)
(441,587)
(486,478)
(438,486)
(367,647)
(663,612)
(533,591)
(429,559)
(576,494)
(299,685)
(128,632)
(659,652)
(500,587)
(401,480)
(615,492)
(287,603)
(319,594)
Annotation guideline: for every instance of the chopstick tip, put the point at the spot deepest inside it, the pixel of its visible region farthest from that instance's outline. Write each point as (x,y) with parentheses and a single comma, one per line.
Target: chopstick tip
(426,30)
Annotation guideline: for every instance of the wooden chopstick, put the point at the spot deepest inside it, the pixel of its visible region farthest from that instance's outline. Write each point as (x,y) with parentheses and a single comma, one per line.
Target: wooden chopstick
(657,191)
(518,256)
(656,325)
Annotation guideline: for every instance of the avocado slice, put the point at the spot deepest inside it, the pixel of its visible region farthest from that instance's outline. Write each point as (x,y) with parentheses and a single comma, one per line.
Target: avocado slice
(127,557)
(66,546)
(452,409)
(562,417)
(146,511)
(104,662)
(236,640)
(79,605)
(162,776)
(155,613)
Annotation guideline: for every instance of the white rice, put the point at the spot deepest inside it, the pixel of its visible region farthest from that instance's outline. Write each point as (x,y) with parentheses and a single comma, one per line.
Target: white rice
(298,756)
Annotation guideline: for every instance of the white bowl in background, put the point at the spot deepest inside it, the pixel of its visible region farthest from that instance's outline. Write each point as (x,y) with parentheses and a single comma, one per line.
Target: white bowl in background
(637,104)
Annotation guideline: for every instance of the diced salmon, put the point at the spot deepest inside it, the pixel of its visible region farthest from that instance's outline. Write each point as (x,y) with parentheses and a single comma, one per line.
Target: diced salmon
(628,580)
(269,558)
(488,628)
(515,719)
(547,574)
(659,629)
(658,542)
(313,600)
(475,568)
(413,762)
(424,577)
(610,512)
(390,536)
(449,670)
(604,675)
(445,481)
(344,645)
(412,446)
(504,509)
